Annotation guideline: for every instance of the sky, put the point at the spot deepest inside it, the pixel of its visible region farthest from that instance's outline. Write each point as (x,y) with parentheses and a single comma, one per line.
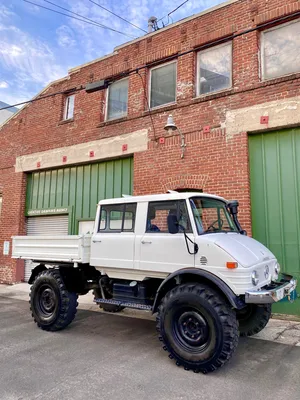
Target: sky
(38,46)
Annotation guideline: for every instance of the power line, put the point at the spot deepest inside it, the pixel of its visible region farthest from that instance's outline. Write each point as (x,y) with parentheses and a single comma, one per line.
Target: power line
(148,104)
(116,15)
(82,20)
(72,12)
(70,91)
(171,12)
(172,57)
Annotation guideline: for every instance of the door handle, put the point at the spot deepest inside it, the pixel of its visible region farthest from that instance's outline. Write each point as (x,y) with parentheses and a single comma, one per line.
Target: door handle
(145,242)
(96,241)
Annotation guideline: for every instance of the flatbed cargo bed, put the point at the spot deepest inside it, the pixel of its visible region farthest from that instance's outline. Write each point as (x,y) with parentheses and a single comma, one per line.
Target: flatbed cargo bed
(68,248)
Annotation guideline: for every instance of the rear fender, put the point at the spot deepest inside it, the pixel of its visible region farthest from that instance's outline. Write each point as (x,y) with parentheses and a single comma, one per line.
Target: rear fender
(35,272)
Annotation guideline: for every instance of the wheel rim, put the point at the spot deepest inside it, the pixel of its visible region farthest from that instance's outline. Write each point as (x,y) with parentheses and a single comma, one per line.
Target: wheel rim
(46,302)
(191,330)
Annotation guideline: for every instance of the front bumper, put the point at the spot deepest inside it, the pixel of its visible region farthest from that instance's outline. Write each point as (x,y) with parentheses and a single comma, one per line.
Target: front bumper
(272,293)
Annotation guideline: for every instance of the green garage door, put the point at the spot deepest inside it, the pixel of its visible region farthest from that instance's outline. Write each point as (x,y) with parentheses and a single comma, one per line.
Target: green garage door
(275,199)
(78,189)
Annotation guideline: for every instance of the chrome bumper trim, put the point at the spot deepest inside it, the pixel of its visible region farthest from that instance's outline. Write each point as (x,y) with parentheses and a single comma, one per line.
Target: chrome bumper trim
(271,295)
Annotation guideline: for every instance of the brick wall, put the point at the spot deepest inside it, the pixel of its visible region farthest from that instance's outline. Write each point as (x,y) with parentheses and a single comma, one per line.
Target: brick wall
(213,161)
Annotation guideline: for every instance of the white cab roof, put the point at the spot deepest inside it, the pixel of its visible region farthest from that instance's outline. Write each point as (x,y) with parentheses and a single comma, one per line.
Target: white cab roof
(160,197)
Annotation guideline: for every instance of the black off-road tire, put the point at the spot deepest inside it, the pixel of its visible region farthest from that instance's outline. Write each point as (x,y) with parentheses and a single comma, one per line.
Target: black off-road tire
(52,306)
(107,307)
(196,309)
(253,318)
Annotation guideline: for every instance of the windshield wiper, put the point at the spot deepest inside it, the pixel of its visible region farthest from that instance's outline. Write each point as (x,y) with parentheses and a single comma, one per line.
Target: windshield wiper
(219,231)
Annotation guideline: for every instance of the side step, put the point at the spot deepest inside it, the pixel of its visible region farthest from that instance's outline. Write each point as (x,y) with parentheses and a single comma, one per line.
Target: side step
(137,306)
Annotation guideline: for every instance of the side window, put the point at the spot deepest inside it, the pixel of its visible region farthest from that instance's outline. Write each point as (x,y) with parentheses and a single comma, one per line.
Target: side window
(158,212)
(117,218)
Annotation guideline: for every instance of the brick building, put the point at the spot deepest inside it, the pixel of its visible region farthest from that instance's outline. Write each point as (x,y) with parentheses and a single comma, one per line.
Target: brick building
(229,76)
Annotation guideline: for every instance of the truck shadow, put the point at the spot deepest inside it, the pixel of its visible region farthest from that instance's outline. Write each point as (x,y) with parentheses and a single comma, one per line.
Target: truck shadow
(253,356)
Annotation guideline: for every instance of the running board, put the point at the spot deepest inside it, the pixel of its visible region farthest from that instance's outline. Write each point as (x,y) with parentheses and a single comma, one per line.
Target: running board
(137,306)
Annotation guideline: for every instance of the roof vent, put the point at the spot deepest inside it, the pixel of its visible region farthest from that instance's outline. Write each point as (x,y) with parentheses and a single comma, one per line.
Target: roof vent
(152,24)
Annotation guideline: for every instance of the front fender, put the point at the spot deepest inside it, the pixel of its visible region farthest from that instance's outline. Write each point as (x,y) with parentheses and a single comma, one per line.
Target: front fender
(200,276)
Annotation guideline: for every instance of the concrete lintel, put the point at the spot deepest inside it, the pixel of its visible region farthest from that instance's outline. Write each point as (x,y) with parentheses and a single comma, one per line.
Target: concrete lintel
(80,153)
(281,113)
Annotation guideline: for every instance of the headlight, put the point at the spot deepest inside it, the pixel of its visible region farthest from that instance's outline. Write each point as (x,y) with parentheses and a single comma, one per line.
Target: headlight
(254,278)
(267,272)
(277,269)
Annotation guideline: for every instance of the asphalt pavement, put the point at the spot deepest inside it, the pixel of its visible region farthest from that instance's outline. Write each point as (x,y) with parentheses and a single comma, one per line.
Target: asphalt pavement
(104,356)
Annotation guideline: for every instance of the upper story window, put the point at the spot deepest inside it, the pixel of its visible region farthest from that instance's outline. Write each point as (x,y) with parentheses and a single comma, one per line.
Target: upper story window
(163,85)
(214,69)
(280,49)
(69,107)
(117,99)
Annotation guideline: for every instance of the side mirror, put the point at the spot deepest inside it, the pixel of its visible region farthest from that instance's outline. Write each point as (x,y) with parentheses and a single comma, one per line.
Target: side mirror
(243,232)
(173,226)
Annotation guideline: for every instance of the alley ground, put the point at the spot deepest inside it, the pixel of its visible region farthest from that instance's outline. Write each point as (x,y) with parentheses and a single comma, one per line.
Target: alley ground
(103,356)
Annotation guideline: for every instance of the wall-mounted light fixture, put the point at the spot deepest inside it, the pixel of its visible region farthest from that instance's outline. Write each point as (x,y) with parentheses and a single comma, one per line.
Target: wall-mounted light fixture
(171,127)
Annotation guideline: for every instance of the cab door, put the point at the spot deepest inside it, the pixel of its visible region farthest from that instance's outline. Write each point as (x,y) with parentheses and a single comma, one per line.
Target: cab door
(114,240)
(161,250)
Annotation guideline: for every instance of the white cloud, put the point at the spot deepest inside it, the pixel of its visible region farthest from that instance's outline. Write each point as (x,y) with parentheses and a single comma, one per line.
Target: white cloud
(65,36)
(3,85)
(28,56)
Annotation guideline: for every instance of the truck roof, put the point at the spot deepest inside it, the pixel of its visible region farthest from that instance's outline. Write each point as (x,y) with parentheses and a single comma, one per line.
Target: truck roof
(171,195)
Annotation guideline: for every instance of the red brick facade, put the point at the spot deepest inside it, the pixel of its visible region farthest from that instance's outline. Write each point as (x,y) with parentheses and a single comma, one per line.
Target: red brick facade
(213,161)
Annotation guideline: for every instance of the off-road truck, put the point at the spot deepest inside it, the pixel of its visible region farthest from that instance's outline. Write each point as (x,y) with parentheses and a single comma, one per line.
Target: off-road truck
(183,256)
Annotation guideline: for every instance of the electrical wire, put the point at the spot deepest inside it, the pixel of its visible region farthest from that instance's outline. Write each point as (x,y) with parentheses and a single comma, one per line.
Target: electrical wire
(116,15)
(174,56)
(171,12)
(80,19)
(65,92)
(148,104)
(72,12)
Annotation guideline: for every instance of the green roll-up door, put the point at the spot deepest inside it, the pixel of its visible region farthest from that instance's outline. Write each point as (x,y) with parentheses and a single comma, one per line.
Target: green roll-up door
(79,188)
(275,199)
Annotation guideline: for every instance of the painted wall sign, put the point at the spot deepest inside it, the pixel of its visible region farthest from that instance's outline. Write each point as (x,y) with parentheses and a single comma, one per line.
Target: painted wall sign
(6,248)
(48,211)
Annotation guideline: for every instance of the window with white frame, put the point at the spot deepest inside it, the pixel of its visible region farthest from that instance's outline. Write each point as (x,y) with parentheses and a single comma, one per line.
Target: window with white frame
(69,107)
(280,50)
(163,85)
(214,69)
(117,99)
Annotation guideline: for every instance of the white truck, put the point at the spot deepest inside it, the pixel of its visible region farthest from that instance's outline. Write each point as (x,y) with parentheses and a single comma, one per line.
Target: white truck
(183,256)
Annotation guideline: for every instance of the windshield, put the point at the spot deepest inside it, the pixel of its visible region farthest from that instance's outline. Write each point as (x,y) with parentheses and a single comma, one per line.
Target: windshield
(211,216)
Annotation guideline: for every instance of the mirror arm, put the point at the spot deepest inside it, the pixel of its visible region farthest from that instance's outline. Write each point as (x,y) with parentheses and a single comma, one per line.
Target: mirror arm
(196,248)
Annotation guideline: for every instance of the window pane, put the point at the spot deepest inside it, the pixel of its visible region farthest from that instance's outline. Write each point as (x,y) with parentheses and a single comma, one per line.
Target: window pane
(117,99)
(103,217)
(214,69)
(211,215)
(281,51)
(69,111)
(163,85)
(129,217)
(158,212)
(115,218)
